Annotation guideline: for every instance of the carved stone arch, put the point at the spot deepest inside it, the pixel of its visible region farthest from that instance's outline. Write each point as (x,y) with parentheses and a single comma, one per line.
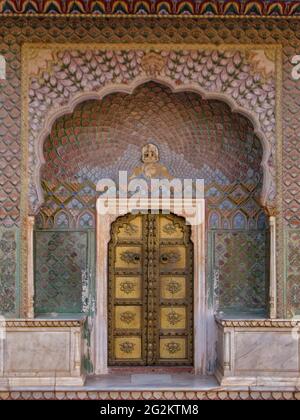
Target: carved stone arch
(214,220)
(239,220)
(82,214)
(269,182)
(66,216)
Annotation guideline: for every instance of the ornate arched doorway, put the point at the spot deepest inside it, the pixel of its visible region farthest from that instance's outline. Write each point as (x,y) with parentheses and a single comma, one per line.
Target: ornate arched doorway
(196,138)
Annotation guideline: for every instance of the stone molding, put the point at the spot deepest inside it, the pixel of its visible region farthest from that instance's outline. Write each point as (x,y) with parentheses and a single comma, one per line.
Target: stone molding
(223,394)
(259,323)
(38,323)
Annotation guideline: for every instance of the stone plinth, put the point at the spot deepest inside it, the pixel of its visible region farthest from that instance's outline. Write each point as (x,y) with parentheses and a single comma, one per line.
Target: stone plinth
(40,352)
(258,352)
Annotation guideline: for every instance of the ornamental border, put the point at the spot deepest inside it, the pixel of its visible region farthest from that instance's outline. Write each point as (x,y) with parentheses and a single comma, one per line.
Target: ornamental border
(264,323)
(251,9)
(219,395)
(40,323)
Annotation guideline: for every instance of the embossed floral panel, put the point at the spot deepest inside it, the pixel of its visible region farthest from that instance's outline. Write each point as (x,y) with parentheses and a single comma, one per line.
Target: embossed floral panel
(8,271)
(293,272)
(60,264)
(240,263)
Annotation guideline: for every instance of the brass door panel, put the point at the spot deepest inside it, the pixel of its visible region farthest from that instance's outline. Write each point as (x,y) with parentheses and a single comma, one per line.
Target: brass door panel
(128,287)
(128,257)
(173,318)
(128,348)
(173,287)
(150,295)
(173,348)
(127,317)
(172,257)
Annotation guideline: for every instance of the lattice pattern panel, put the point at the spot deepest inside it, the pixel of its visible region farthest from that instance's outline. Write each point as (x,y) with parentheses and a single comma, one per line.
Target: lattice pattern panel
(8,271)
(60,264)
(293,271)
(239,270)
(230,206)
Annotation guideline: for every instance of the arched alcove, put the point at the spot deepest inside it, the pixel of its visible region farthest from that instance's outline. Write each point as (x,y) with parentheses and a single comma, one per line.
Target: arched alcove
(196,138)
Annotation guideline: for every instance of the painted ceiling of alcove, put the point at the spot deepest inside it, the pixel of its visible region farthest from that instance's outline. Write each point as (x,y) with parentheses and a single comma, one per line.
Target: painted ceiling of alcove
(196,138)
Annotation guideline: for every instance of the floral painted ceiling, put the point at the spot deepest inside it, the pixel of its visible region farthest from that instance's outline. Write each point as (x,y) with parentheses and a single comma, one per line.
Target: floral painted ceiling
(211,8)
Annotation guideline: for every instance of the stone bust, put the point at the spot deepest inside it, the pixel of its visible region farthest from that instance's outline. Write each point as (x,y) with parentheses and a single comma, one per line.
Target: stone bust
(151,168)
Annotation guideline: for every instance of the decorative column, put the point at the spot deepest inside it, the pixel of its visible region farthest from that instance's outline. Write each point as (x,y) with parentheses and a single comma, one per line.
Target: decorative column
(272,212)
(30,269)
(227,350)
(200,320)
(102,240)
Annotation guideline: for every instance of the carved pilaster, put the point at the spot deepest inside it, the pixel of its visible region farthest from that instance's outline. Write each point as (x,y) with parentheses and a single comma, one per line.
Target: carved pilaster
(227,350)
(273,277)
(272,213)
(29,310)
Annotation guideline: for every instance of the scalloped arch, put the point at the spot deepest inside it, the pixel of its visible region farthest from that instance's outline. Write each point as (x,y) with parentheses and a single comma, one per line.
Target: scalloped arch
(57,112)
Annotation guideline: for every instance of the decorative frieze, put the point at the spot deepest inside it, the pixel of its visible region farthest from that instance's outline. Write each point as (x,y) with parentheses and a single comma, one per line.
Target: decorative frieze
(41,323)
(160,8)
(258,323)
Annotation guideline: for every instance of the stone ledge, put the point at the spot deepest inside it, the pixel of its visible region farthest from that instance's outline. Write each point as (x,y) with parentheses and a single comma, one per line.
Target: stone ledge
(151,395)
(258,323)
(41,323)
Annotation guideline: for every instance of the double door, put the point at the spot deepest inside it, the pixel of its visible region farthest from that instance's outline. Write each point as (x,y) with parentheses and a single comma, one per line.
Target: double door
(150,294)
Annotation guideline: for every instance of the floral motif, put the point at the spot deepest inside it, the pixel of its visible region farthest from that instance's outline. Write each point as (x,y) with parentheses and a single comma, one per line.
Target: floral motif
(127,286)
(169,228)
(172,347)
(127,317)
(127,347)
(174,317)
(173,286)
(130,229)
(153,63)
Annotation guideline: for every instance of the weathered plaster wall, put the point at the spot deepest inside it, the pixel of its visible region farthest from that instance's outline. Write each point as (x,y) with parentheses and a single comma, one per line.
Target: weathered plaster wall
(17,30)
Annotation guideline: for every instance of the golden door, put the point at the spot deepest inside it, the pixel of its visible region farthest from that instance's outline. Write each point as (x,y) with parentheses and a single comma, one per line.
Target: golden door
(150,296)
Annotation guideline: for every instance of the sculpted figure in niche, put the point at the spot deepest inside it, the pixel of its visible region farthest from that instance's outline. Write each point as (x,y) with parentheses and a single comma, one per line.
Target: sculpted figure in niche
(151,168)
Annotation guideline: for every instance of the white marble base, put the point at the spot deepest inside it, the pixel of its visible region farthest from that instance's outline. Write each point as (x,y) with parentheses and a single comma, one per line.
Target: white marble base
(258,353)
(41,353)
(25,382)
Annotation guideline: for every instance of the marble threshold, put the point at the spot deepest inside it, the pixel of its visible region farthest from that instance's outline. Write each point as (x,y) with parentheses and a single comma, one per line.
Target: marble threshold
(184,382)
